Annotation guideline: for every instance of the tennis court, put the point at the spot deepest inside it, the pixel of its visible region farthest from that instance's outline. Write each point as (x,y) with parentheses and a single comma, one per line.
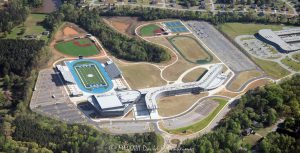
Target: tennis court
(176,27)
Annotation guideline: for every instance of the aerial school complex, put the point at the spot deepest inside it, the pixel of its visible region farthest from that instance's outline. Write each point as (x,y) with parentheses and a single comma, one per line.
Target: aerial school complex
(98,84)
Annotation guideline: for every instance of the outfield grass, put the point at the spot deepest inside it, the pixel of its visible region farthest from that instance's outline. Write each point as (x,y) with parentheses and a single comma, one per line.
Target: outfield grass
(190,49)
(202,123)
(272,68)
(194,75)
(32,26)
(69,48)
(148,30)
(291,63)
(236,29)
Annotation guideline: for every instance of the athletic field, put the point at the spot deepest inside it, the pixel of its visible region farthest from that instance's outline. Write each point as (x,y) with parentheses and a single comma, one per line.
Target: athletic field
(191,49)
(149,30)
(90,76)
(77,47)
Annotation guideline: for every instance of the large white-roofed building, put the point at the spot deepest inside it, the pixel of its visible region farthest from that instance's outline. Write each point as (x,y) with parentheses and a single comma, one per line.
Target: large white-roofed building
(287,40)
(114,103)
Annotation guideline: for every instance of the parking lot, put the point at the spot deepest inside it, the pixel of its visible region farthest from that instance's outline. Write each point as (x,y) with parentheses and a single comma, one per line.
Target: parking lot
(51,99)
(221,46)
(257,48)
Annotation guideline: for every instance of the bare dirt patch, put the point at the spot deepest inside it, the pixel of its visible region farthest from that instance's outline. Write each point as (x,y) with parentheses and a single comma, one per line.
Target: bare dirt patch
(242,78)
(69,31)
(257,83)
(125,25)
(227,93)
(169,106)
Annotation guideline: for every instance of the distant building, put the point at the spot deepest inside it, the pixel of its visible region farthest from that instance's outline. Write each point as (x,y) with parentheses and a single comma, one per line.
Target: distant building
(284,40)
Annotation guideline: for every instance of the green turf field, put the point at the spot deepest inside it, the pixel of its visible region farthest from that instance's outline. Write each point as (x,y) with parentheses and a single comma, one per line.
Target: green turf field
(70,48)
(90,75)
(32,26)
(148,30)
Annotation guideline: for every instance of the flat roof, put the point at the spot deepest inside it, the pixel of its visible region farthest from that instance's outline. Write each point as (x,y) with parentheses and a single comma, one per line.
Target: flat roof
(108,101)
(287,31)
(65,72)
(273,37)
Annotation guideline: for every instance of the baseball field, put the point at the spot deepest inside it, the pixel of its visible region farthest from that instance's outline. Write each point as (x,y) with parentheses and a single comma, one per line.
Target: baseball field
(77,47)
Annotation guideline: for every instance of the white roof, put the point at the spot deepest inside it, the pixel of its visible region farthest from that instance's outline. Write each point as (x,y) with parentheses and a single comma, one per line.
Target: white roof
(65,72)
(288,31)
(274,37)
(108,101)
(204,83)
(129,95)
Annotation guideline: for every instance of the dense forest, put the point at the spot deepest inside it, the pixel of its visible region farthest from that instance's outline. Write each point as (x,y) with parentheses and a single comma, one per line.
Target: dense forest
(217,18)
(257,109)
(18,56)
(119,45)
(11,15)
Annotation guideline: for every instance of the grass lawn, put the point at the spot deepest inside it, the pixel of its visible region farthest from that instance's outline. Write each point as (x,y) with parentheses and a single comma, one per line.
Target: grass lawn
(242,78)
(296,57)
(190,49)
(160,141)
(251,139)
(193,75)
(141,75)
(174,71)
(148,30)
(173,105)
(291,63)
(264,131)
(32,26)
(202,123)
(236,29)
(85,47)
(272,68)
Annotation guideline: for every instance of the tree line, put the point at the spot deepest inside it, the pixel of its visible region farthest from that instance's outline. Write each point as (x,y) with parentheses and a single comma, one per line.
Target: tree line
(117,44)
(259,108)
(147,13)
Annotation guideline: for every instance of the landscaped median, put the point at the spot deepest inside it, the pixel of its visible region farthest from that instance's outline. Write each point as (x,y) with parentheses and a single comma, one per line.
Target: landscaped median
(202,123)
